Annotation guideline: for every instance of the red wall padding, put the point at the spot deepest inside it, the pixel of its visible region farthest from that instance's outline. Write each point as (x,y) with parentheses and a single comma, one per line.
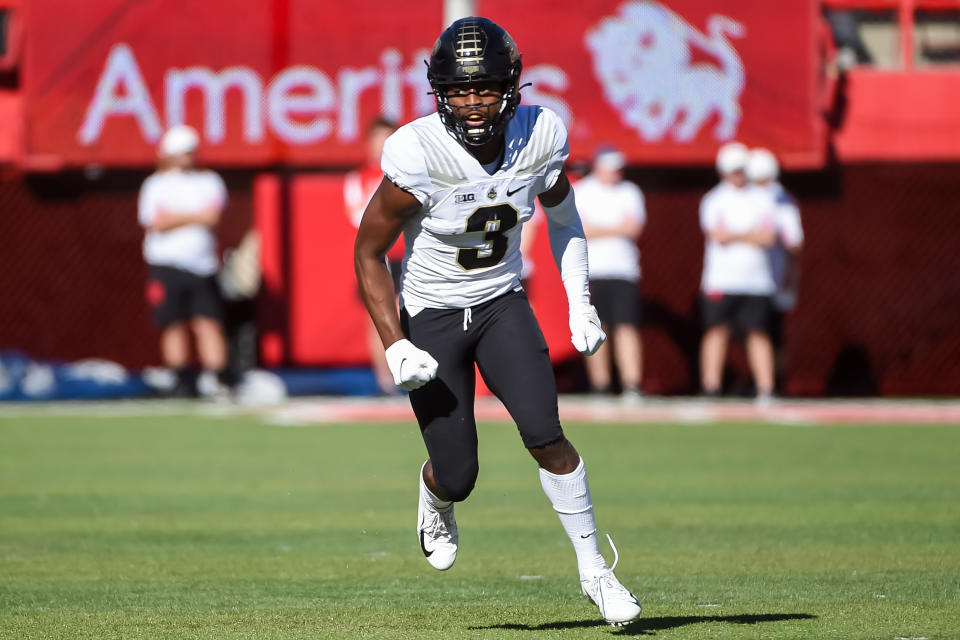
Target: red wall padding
(878,312)
(327,321)
(71,272)
(879,306)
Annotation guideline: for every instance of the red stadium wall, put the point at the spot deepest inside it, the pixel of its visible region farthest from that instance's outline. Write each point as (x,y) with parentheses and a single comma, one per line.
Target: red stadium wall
(878,302)
(72,276)
(321,319)
(290,84)
(294,81)
(879,298)
(878,310)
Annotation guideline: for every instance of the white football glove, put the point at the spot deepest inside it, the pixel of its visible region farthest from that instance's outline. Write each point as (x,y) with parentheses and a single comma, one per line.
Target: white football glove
(585,331)
(411,367)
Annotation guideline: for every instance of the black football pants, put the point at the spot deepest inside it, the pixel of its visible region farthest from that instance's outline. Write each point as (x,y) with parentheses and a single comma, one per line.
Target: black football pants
(503,338)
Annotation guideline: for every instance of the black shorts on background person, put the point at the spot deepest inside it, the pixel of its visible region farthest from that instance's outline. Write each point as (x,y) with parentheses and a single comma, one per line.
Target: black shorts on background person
(743,313)
(617,302)
(176,296)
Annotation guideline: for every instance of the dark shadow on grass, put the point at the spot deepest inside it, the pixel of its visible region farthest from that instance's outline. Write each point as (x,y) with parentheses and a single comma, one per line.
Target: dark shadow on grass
(649,626)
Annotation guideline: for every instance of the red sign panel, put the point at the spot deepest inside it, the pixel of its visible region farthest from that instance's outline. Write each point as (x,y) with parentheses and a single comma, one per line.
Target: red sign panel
(670,82)
(296,80)
(263,81)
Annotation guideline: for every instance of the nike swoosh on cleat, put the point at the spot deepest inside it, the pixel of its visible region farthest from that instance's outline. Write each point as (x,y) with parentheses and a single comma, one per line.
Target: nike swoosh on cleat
(423,546)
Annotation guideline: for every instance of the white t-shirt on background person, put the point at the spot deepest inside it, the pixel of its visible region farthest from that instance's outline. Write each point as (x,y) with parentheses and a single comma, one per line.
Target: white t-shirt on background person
(603,205)
(736,267)
(191,247)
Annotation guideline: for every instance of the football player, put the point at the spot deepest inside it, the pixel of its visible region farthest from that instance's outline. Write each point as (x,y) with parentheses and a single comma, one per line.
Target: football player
(459,184)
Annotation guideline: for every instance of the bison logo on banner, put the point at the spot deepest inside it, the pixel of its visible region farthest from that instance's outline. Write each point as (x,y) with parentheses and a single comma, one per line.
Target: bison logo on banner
(643,59)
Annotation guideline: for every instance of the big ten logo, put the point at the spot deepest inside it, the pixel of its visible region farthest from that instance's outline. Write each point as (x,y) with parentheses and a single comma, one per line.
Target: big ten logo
(643,59)
(299,105)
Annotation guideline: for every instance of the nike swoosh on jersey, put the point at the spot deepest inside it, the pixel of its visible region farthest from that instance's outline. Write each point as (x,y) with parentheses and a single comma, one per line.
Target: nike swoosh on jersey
(423,546)
(510,193)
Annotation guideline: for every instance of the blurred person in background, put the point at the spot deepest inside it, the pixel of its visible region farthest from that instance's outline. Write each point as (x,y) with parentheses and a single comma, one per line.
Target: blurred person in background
(179,206)
(613,214)
(737,283)
(763,171)
(358,187)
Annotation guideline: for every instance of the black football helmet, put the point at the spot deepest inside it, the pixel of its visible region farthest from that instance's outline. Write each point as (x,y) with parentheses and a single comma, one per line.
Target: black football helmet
(475,50)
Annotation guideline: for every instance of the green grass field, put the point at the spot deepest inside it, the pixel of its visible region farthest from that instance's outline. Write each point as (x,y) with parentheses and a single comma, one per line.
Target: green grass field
(203,527)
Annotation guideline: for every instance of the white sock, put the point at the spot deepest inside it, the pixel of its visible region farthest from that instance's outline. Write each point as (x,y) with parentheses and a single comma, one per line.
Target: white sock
(432,500)
(570,496)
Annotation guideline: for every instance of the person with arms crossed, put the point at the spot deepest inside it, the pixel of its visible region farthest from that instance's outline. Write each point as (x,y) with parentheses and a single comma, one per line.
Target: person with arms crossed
(179,206)
(459,184)
(613,216)
(737,279)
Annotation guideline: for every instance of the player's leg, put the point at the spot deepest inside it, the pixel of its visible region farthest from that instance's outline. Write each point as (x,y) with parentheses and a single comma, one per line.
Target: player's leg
(569,493)
(513,359)
(713,353)
(444,411)
(713,345)
(444,406)
(755,319)
(626,337)
(598,365)
(598,369)
(211,346)
(206,321)
(165,296)
(175,346)
(760,357)
(627,354)
(212,350)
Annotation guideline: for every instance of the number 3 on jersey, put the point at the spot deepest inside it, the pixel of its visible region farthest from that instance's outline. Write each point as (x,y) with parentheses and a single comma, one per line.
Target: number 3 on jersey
(494,221)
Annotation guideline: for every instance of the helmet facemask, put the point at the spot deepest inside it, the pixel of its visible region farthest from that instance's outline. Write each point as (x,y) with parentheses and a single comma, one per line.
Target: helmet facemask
(473,52)
(455,118)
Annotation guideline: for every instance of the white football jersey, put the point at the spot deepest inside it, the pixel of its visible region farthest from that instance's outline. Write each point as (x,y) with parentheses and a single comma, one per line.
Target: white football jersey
(463,246)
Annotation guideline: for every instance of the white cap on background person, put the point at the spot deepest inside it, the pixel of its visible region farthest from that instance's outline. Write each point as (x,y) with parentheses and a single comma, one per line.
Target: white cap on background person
(609,158)
(732,157)
(762,166)
(179,140)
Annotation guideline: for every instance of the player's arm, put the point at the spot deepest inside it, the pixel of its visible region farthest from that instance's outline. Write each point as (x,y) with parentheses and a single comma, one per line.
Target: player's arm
(710,222)
(764,236)
(381,224)
(629,228)
(569,247)
(166,221)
